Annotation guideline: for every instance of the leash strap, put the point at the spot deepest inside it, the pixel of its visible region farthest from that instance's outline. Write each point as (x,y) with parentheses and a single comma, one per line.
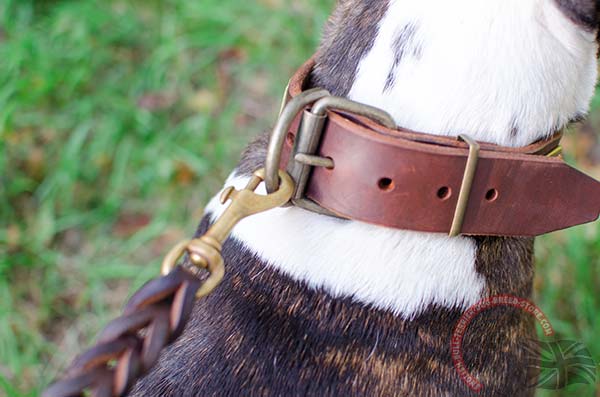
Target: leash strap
(131,344)
(157,314)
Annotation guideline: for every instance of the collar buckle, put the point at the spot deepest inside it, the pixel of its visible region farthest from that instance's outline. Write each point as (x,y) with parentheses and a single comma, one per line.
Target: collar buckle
(304,153)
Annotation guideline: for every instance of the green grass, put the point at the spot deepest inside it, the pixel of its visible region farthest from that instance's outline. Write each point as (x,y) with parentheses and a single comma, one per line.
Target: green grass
(118,119)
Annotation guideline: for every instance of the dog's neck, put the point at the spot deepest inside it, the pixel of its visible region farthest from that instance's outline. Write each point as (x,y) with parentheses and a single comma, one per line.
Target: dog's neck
(503,71)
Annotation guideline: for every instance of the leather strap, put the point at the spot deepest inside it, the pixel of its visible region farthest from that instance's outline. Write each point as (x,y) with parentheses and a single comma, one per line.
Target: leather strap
(409,180)
(131,344)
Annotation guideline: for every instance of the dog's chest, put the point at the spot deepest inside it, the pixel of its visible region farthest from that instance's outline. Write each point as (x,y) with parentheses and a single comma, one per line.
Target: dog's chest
(262,333)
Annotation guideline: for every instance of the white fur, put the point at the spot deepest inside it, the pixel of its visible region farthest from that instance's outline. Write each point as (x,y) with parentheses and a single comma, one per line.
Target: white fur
(390,269)
(485,65)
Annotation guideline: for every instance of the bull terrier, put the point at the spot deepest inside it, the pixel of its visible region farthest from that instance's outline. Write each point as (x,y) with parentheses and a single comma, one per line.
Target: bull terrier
(318,306)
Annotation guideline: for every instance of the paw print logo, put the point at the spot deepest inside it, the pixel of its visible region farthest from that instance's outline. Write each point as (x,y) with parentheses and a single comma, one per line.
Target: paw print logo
(559,364)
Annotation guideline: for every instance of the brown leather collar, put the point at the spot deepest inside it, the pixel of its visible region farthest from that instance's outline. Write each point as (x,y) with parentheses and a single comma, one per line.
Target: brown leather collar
(409,180)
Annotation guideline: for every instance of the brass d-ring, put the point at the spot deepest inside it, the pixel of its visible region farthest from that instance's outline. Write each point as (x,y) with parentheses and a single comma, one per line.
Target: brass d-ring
(171,259)
(204,253)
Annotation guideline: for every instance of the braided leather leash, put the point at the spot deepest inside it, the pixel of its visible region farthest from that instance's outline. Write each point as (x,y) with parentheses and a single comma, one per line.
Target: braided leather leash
(156,315)
(131,344)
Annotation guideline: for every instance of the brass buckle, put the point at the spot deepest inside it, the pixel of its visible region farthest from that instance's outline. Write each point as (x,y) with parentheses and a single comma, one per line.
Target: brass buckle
(286,118)
(467,184)
(308,138)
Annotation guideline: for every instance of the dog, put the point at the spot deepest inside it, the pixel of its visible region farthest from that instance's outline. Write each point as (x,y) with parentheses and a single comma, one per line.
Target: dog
(319,306)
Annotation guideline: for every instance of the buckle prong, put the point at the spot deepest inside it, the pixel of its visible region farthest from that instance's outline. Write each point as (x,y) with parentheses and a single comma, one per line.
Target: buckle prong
(315,161)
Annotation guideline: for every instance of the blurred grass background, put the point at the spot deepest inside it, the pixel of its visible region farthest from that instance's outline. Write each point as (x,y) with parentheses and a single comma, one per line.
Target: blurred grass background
(119,119)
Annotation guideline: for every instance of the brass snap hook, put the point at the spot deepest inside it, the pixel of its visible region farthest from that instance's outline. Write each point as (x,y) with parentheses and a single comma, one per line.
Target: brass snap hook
(205,252)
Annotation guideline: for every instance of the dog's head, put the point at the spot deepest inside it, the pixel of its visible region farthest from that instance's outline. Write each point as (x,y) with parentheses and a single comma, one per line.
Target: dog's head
(504,71)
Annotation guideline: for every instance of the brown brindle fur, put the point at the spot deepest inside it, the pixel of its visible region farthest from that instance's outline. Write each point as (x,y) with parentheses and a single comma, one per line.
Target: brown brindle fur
(348,36)
(582,12)
(263,334)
